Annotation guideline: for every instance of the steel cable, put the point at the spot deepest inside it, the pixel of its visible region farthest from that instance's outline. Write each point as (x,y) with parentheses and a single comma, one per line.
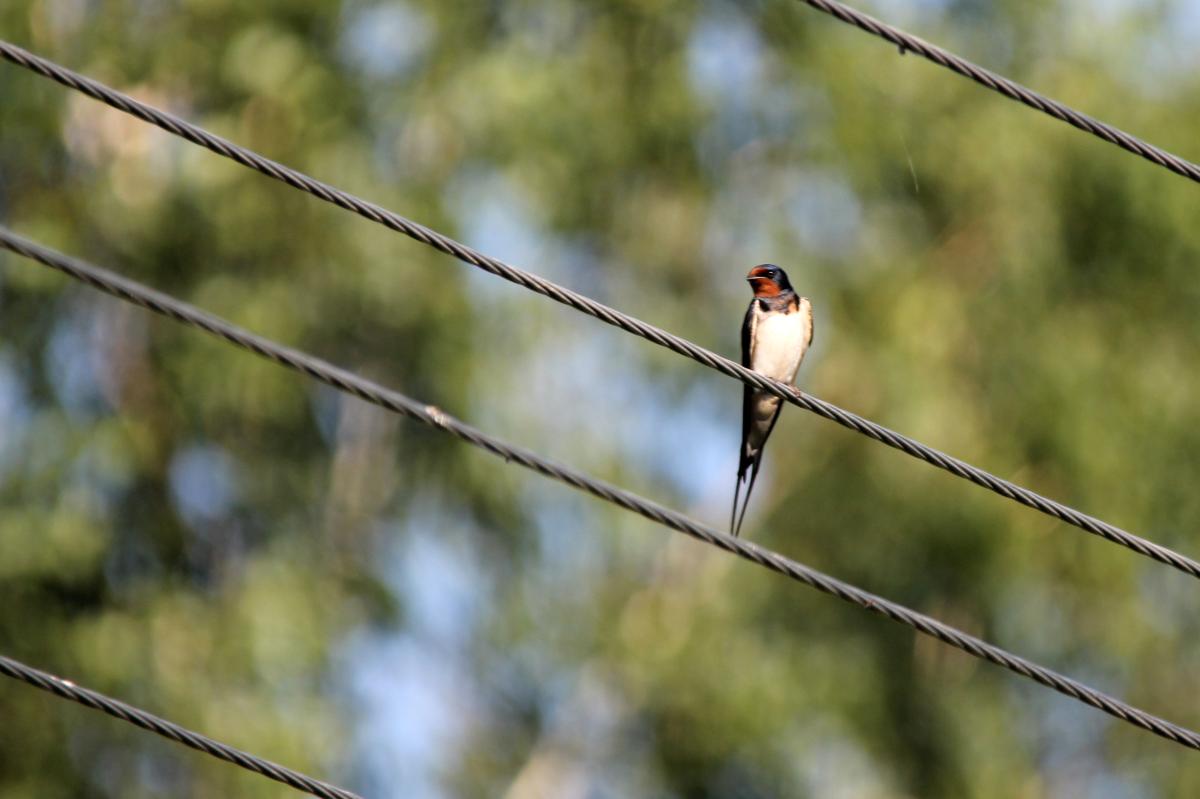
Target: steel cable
(148,721)
(1009,88)
(579,302)
(342,380)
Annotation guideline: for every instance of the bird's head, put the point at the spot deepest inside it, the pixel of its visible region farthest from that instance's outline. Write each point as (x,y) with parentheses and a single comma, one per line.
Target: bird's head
(768,280)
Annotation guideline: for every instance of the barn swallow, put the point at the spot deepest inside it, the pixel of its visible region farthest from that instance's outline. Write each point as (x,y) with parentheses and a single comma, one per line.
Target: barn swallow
(776,333)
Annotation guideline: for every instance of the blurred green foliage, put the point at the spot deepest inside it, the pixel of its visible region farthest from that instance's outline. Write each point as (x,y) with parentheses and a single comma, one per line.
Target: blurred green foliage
(200,533)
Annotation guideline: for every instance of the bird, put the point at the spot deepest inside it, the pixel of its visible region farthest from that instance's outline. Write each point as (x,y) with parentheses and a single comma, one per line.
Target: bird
(777,331)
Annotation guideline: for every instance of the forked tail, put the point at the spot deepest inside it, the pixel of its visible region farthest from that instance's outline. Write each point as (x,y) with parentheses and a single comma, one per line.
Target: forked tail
(737,489)
(735,528)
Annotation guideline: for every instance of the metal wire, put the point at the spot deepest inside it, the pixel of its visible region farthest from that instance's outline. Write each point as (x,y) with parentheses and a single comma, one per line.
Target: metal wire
(579,302)
(1009,88)
(148,721)
(342,380)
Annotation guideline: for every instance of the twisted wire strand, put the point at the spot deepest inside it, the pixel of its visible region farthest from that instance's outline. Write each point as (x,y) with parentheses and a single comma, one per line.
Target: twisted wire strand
(1009,88)
(148,721)
(349,383)
(604,313)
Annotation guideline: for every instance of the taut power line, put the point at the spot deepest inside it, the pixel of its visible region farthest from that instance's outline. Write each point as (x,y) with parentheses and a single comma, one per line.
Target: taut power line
(66,689)
(134,292)
(580,302)
(906,42)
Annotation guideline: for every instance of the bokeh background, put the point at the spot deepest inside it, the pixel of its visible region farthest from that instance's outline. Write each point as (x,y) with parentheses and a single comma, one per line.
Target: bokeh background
(223,542)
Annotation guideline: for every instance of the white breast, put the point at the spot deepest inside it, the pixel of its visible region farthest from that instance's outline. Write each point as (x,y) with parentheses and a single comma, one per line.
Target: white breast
(779,342)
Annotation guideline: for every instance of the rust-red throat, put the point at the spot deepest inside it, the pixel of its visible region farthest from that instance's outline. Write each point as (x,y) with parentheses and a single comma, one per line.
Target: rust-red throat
(762,283)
